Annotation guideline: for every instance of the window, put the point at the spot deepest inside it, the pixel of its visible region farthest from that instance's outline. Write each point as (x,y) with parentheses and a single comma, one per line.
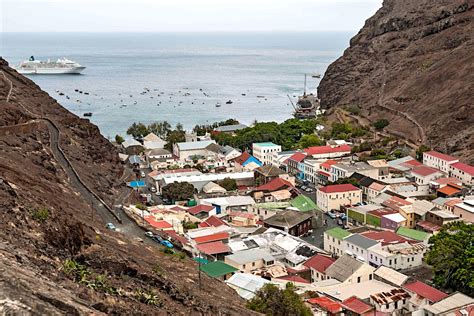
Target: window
(253,264)
(371,257)
(390,262)
(370,276)
(243,266)
(333,240)
(358,279)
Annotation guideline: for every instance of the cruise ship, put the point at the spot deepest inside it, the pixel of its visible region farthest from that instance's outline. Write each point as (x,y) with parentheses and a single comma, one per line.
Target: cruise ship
(59,67)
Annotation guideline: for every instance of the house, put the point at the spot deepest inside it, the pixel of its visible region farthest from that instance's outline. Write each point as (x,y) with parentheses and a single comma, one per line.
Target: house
(293,222)
(134,161)
(263,192)
(324,172)
(278,158)
(349,270)
(357,245)
(465,210)
(404,207)
(251,259)
(218,270)
(449,190)
(267,209)
(390,276)
(226,204)
(264,151)
(374,218)
(215,250)
(318,265)
(246,285)
(361,290)
(212,221)
(159,176)
(413,234)
(202,210)
(229,153)
(244,178)
(373,190)
(463,172)
(355,306)
(438,160)
(157,153)
(397,255)
(267,173)
(455,304)
(340,170)
(191,150)
(393,302)
(132,147)
(333,240)
(246,162)
(159,158)
(382,166)
(213,188)
(422,294)
(293,164)
(359,214)
(392,221)
(424,175)
(332,197)
(303,203)
(403,164)
(320,152)
(229,129)
(151,141)
(323,305)
(242,219)
(439,217)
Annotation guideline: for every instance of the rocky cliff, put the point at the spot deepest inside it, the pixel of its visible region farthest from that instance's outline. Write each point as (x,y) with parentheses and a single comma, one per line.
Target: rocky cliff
(412,63)
(57,174)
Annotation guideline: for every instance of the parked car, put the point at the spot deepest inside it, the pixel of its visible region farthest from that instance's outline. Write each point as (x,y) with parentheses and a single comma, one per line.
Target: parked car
(332,214)
(343,216)
(309,190)
(157,239)
(167,244)
(110,226)
(153,189)
(149,234)
(340,222)
(303,187)
(142,174)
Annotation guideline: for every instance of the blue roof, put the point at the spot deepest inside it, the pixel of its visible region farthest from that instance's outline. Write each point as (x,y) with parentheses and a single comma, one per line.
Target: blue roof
(265,144)
(137,184)
(252,159)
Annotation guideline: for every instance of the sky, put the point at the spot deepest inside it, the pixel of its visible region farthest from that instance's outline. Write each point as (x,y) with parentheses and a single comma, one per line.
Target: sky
(184,15)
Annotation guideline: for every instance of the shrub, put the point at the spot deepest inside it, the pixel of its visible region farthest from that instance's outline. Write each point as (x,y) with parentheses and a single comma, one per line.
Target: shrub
(141,206)
(119,139)
(381,124)
(40,215)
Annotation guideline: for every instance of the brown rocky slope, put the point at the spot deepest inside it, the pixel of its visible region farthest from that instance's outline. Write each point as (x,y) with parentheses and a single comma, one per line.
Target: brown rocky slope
(63,261)
(412,63)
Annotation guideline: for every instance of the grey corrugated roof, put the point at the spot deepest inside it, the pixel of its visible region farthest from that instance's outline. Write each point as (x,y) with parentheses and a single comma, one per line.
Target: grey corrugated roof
(195,145)
(361,241)
(288,218)
(343,268)
(250,255)
(230,128)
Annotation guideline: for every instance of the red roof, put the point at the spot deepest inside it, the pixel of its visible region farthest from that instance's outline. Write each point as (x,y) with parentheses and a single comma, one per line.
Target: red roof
(447,180)
(324,173)
(383,211)
(274,185)
(424,170)
(319,263)
(327,304)
(328,163)
(200,209)
(213,221)
(242,158)
(210,238)
(440,155)
(157,224)
(298,157)
(428,226)
(356,305)
(338,188)
(395,203)
(425,291)
(412,163)
(450,189)
(386,237)
(294,278)
(464,167)
(213,248)
(318,150)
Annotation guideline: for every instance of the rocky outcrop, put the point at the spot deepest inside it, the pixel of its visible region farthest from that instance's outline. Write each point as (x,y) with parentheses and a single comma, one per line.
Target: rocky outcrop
(48,218)
(413,63)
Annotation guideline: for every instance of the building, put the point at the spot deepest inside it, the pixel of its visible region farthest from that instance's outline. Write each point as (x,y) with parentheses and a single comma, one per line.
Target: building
(332,197)
(191,150)
(264,151)
(303,204)
(439,217)
(246,285)
(244,178)
(465,210)
(242,219)
(392,221)
(229,153)
(455,304)
(357,245)
(246,162)
(202,210)
(226,204)
(267,173)
(229,129)
(339,170)
(251,259)
(295,223)
(213,188)
(404,207)
(267,209)
(382,166)
(279,157)
(397,256)
(390,276)
(218,270)
(463,172)
(151,141)
(354,306)
(264,193)
(321,152)
(394,302)
(214,250)
(349,270)
(333,240)
(318,265)
(438,160)
(293,165)
(424,175)
(322,306)
(132,147)
(413,234)
(422,294)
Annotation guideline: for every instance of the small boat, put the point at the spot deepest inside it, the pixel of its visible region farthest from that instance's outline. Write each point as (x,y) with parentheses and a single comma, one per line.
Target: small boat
(218,105)
(88,114)
(229,102)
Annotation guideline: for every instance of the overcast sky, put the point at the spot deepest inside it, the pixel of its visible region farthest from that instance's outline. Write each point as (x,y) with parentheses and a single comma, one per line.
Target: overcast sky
(184,15)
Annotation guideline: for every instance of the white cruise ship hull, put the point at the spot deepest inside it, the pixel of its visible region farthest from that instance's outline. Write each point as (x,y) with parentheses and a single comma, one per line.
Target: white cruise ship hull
(50,71)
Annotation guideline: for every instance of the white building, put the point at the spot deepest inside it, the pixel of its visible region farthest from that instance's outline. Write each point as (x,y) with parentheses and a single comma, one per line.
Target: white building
(198,181)
(151,141)
(339,170)
(278,157)
(358,245)
(188,150)
(424,175)
(438,160)
(264,151)
(397,256)
(332,197)
(463,172)
(334,240)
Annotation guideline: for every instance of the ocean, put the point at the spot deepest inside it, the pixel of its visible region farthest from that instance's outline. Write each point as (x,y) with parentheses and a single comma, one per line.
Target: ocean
(185,74)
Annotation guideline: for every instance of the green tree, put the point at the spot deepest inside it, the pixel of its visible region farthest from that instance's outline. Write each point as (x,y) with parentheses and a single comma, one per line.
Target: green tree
(451,255)
(309,141)
(173,138)
(137,130)
(160,129)
(271,300)
(381,124)
(420,151)
(347,181)
(178,191)
(119,139)
(228,184)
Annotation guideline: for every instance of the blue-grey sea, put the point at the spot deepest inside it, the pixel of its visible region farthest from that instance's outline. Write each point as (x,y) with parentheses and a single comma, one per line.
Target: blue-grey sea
(186,73)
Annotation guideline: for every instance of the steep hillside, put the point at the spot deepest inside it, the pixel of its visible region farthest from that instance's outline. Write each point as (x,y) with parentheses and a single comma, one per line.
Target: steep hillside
(57,174)
(412,63)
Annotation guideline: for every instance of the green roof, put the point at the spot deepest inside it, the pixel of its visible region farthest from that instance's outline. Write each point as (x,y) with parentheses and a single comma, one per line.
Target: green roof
(201,260)
(217,269)
(303,203)
(272,205)
(265,144)
(412,233)
(337,232)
